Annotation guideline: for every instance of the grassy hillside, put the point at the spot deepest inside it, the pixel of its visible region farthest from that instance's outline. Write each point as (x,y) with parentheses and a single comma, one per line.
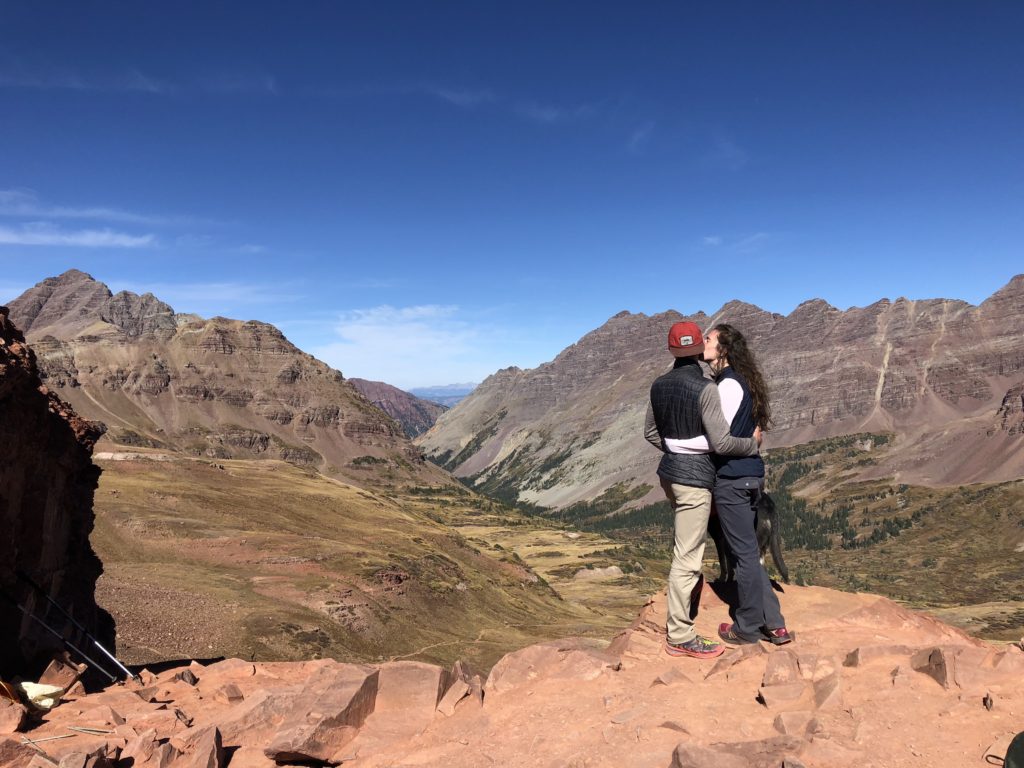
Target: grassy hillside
(266,560)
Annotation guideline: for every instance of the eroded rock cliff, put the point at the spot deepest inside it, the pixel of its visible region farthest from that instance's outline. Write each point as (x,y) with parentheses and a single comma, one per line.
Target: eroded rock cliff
(47,480)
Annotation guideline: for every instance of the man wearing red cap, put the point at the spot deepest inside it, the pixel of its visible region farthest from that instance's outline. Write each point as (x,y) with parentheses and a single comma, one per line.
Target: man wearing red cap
(685,404)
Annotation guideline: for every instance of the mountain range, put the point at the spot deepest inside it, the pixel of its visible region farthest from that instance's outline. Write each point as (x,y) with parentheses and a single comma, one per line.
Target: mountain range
(447,394)
(945,378)
(216,387)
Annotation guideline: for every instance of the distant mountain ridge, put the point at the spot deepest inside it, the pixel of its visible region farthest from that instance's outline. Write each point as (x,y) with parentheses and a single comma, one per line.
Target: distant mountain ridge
(215,387)
(447,395)
(943,375)
(415,414)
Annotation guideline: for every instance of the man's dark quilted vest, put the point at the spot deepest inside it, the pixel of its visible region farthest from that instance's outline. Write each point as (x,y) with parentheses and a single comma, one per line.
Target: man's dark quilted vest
(675,401)
(742,426)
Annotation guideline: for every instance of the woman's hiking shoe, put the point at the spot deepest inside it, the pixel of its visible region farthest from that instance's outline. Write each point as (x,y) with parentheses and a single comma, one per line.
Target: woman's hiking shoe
(728,633)
(699,648)
(778,636)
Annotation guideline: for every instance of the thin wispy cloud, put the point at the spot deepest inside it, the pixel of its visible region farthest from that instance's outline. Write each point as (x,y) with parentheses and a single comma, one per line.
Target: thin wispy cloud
(24,203)
(747,243)
(465,98)
(205,242)
(752,243)
(548,114)
(17,75)
(409,346)
(131,80)
(240,84)
(191,241)
(214,298)
(42,233)
(462,97)
(373,283)
(640,137)
(727,154)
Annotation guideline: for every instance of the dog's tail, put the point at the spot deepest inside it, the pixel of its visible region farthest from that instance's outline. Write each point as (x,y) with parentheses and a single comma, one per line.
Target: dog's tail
(776,547)
(775,538)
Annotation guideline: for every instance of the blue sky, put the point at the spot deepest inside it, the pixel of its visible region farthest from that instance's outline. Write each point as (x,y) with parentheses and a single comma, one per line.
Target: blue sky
(423,193)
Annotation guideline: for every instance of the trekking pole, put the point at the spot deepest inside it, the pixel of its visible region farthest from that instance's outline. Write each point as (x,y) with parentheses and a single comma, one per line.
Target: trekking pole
(67,643)
(28,580)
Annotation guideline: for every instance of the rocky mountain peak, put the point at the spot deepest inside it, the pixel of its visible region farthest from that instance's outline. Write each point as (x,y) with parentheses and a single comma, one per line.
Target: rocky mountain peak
(138,315)
(68,304)
(70,300)
(1009,297)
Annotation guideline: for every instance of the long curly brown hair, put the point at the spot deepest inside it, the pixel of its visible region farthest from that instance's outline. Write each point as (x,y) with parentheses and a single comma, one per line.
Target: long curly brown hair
(734,347)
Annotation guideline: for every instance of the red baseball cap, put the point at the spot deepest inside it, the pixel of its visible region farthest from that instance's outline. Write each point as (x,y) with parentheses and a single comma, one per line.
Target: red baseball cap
(685,339)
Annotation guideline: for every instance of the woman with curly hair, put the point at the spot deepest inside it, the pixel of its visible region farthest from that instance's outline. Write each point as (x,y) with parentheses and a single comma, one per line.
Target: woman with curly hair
(739,483)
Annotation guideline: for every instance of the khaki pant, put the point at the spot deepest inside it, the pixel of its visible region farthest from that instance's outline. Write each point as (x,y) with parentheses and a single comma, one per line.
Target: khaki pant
(692,507)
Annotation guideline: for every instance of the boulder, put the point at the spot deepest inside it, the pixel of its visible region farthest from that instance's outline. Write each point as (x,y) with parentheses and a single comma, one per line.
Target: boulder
(865,654)
(782,694)
(937,663)
(735,656)
(228,693)
(251,757)
(780,669)
(767,753)
(199,748)
(12,716)
(795,723)
(688,755)
(326,715)
(62,672)
(561,660)
(827,693)
(14,754)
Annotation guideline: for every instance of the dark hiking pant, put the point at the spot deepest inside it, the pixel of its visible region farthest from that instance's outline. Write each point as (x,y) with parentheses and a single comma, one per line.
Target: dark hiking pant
(736,500)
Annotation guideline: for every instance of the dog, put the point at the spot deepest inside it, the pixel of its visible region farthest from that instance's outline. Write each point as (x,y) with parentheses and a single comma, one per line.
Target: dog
(768,539)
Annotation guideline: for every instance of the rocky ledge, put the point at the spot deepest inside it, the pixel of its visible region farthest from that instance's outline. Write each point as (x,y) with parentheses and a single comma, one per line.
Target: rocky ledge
(866,683)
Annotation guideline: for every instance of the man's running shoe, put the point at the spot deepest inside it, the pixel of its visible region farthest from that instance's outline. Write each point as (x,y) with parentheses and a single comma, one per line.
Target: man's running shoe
(699,648)
(778,636)
(728,633)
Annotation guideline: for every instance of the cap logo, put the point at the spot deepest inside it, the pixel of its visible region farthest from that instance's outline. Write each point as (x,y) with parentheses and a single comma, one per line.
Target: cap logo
(685,341)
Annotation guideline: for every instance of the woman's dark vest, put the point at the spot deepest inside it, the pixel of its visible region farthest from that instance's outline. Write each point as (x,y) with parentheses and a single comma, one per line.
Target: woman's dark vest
(742,426)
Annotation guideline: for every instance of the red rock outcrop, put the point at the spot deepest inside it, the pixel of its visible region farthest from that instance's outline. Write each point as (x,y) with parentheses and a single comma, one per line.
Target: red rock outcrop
(866,683)
(933,372)
(47,480)
(1010,416)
